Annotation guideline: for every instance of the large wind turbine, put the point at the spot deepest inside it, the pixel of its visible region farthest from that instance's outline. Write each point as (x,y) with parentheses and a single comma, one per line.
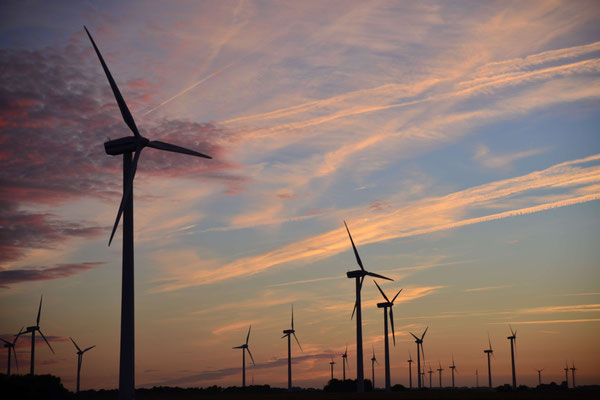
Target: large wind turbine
(33,330)
(488,352)
(513,345)
(539,371)
(452,368)
(419,342)
(410,361)
(373,361)
(439,370)
(573,369)
(79,360)
(387,305)
(131,148)
(359,276)
(331,364)
(567,373)
(11,349)
(345,362)
(287,333)
(245,347)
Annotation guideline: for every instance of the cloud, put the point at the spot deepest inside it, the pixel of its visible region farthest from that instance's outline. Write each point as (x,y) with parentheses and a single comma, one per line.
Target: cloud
(485,158)
(12,276)
(554,309)
(555,321)
(486,288)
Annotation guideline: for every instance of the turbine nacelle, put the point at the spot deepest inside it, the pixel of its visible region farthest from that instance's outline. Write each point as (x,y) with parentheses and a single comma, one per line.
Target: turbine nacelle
(288,331)
(31,329)
(127,144)
(384,304)
(359,273)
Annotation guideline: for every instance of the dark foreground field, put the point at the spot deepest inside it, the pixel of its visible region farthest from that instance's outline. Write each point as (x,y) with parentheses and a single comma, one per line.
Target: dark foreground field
(40,387)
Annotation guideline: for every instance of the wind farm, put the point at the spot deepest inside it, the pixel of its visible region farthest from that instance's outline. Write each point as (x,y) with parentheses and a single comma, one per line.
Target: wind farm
(448,151)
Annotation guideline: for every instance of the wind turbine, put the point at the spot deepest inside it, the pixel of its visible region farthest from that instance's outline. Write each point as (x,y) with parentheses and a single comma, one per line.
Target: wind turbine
(33,330)
(128,146)
(373,361)
(419,342)
(287,333)
(245,347)
(513,345)
(359,276)
(488,352)
(387,305)
(477,378)
(331,365)
(79,360)
(439,370)
(345,362)
(410,361)
(11,348)
(430,372)
(573,369)
(539,371)
(567,373)
(452,368)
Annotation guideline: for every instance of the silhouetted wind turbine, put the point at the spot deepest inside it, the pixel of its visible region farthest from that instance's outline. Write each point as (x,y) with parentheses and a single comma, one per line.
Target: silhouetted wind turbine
(33,330)
(345,362)
(11,348)
(567,373)
(419,342)
(452,368)
(331,365)
(79,360)
(513,345)
(373,361)
(387,305)
(477,378)
(410,361)
(430,372)
(245,347)
(127,146)
(287,333)
(573,369)
(359,276)
(439,370)
(539,371)
(488,352)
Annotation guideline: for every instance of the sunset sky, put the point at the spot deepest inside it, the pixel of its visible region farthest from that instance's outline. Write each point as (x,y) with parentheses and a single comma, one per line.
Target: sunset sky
(459,141)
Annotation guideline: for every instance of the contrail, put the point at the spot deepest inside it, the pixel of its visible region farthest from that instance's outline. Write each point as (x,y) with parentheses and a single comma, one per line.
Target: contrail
(190,88)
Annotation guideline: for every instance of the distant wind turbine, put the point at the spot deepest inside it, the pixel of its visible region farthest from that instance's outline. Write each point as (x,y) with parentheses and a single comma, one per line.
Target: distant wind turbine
(488,352)
(476,378)
(387,305)
(245,348)
(439,370)
(410,361)
(452,368)
(373,361)
(345,362)
(33,330)
(430,372)
(513,345)
(127,146)
(11,349)
(331,364)
(567,373)
(287,333)
(419,342)
(539,371)
(79,360)
(573,369)
(359,276)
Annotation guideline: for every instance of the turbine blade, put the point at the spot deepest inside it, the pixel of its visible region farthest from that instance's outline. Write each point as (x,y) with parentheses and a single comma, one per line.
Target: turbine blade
(157,144)
(422,337)
(381,291)
(77,347)
(17,336)
(127,117)
(422,352)
(292,317)
(413,335)
(89,348)
(354,247)
(252,358)
(238,347)
(294,333)
(45,340)
(286,335)
(126,191)
(248,336)
(15,356)
(359,289)
(392,323)
(489,341)
(39,312)
(379,276)
(394,299)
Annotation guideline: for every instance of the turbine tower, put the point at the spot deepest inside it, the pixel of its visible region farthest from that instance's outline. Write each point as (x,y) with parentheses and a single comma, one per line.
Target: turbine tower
(373,361)
(439,370)
(567,373)
(245,348)
(331,365)
(430,372)
(131,148)
(452,368)
(410,361)
(513,345)
(345,362)
(387,308)
(539,371)
(359,276)
(488,352)
(287,333)
(573,369)
(419,342)
(11,348)
(79,360)
(33,330)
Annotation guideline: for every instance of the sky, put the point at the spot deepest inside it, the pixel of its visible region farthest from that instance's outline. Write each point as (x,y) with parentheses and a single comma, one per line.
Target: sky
(458,140)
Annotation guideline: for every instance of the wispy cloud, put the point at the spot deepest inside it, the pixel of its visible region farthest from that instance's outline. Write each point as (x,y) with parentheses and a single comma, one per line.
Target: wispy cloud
(554,309)
(487,288)
(485,158)
(555,321)
(12,276)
